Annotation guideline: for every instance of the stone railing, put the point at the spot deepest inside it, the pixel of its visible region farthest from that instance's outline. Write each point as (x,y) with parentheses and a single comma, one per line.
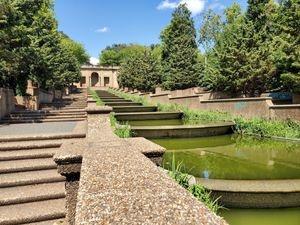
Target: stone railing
(116,181)
(197,98)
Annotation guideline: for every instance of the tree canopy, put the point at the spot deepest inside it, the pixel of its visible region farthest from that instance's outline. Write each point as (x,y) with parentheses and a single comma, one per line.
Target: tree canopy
(32,48)
(180,68)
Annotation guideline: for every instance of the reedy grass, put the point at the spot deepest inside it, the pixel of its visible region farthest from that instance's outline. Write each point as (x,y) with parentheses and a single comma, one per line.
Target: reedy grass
(121,130)
(197,190)
(96,97)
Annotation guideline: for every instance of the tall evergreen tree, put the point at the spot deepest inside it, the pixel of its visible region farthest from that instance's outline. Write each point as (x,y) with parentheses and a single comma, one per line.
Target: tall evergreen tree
(179,51)
(287,44)
(238,65)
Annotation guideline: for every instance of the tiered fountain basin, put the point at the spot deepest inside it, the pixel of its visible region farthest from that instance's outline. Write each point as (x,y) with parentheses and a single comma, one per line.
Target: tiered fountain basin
(244,172)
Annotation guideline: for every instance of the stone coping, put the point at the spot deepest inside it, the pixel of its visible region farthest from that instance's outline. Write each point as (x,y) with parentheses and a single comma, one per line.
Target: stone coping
(285,106)
(185,96)
(121,186)
(147,113)
(183,127)
(98,109)
(158,95)
(236,99)
(252,186)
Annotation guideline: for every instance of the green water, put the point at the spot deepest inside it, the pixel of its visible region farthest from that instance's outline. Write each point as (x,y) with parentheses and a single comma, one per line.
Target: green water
(155,122)
(288,216)
(233,157)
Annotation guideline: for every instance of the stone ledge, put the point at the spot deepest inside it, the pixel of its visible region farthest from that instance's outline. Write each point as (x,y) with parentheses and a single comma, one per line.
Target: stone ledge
(119,185)
(297,106)
(185,96)
(236,99)
(98,109)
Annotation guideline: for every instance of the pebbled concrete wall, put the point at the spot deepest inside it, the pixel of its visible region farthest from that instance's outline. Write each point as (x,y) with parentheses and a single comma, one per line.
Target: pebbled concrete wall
(7,102)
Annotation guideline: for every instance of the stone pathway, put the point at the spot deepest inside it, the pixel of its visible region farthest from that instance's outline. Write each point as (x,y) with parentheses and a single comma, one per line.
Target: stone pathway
(31,189)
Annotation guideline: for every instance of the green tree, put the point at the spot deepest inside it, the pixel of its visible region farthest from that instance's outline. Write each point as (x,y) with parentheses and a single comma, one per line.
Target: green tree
(76,49)
(180,65)
(210,29)
(32,47)
(141,72)
(116,54)
(287,44)
(236,64)
(110,58)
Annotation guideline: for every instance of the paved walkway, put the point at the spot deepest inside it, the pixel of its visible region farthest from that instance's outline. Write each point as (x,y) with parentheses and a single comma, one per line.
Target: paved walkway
(37,128)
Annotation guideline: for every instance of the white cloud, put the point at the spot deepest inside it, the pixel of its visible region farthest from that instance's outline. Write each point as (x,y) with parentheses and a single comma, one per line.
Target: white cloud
(166,4)
(102,30)
(195,6)
(94,61)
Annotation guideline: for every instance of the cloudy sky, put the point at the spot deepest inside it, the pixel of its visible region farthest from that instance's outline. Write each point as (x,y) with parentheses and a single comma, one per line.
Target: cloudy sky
(98,23)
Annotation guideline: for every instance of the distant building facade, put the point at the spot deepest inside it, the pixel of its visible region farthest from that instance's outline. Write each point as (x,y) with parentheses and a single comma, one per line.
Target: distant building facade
(98,76)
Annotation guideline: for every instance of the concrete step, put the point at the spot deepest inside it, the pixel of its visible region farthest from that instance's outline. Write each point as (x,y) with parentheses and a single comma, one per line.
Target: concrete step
(49,222)
(118,109)
(30,177)
(16,121)
(29,137)
(32,212)
(122,104)
(26,165)
(27,154)
(45,116)
(32,193)
(148,116)
(28,145)
(115,100)
(48,111)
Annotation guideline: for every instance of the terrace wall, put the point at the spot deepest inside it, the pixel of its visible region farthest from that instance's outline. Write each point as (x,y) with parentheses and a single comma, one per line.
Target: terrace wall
(197,98)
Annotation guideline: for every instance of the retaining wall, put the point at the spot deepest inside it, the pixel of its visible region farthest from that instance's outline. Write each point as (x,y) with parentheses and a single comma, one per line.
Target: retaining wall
(197,98)
(6,102)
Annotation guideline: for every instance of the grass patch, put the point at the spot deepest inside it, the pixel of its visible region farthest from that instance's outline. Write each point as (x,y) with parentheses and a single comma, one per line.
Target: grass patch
(255,126)
(267,128)
(96,97)
(197,190)
(121,130)
(134,98)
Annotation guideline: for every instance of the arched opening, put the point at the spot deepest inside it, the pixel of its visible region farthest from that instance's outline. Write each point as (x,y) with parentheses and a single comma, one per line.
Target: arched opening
(94,79)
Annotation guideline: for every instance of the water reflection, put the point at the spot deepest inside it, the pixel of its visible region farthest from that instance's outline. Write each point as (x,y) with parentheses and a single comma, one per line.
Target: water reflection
(234,157)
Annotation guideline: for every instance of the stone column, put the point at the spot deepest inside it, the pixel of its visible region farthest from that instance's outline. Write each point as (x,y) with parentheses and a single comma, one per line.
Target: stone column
(68,161)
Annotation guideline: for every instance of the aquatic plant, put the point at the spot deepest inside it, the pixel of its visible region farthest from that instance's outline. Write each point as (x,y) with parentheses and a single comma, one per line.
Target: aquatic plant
(121,130)
(197,190)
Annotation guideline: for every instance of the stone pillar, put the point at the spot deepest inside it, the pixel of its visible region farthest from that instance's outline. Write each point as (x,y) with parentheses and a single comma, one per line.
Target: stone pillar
(68,161)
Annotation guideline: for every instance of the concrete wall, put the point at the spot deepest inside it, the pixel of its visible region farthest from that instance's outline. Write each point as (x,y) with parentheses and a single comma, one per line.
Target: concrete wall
(197,98)
(45,96)
(6,102)
(95,76)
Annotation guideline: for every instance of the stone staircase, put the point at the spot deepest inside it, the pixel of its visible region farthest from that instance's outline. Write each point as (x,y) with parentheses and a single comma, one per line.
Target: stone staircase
(31,189)
(69,108)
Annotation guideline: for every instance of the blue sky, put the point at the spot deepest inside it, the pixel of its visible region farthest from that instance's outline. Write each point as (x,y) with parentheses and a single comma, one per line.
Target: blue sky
(98,23)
